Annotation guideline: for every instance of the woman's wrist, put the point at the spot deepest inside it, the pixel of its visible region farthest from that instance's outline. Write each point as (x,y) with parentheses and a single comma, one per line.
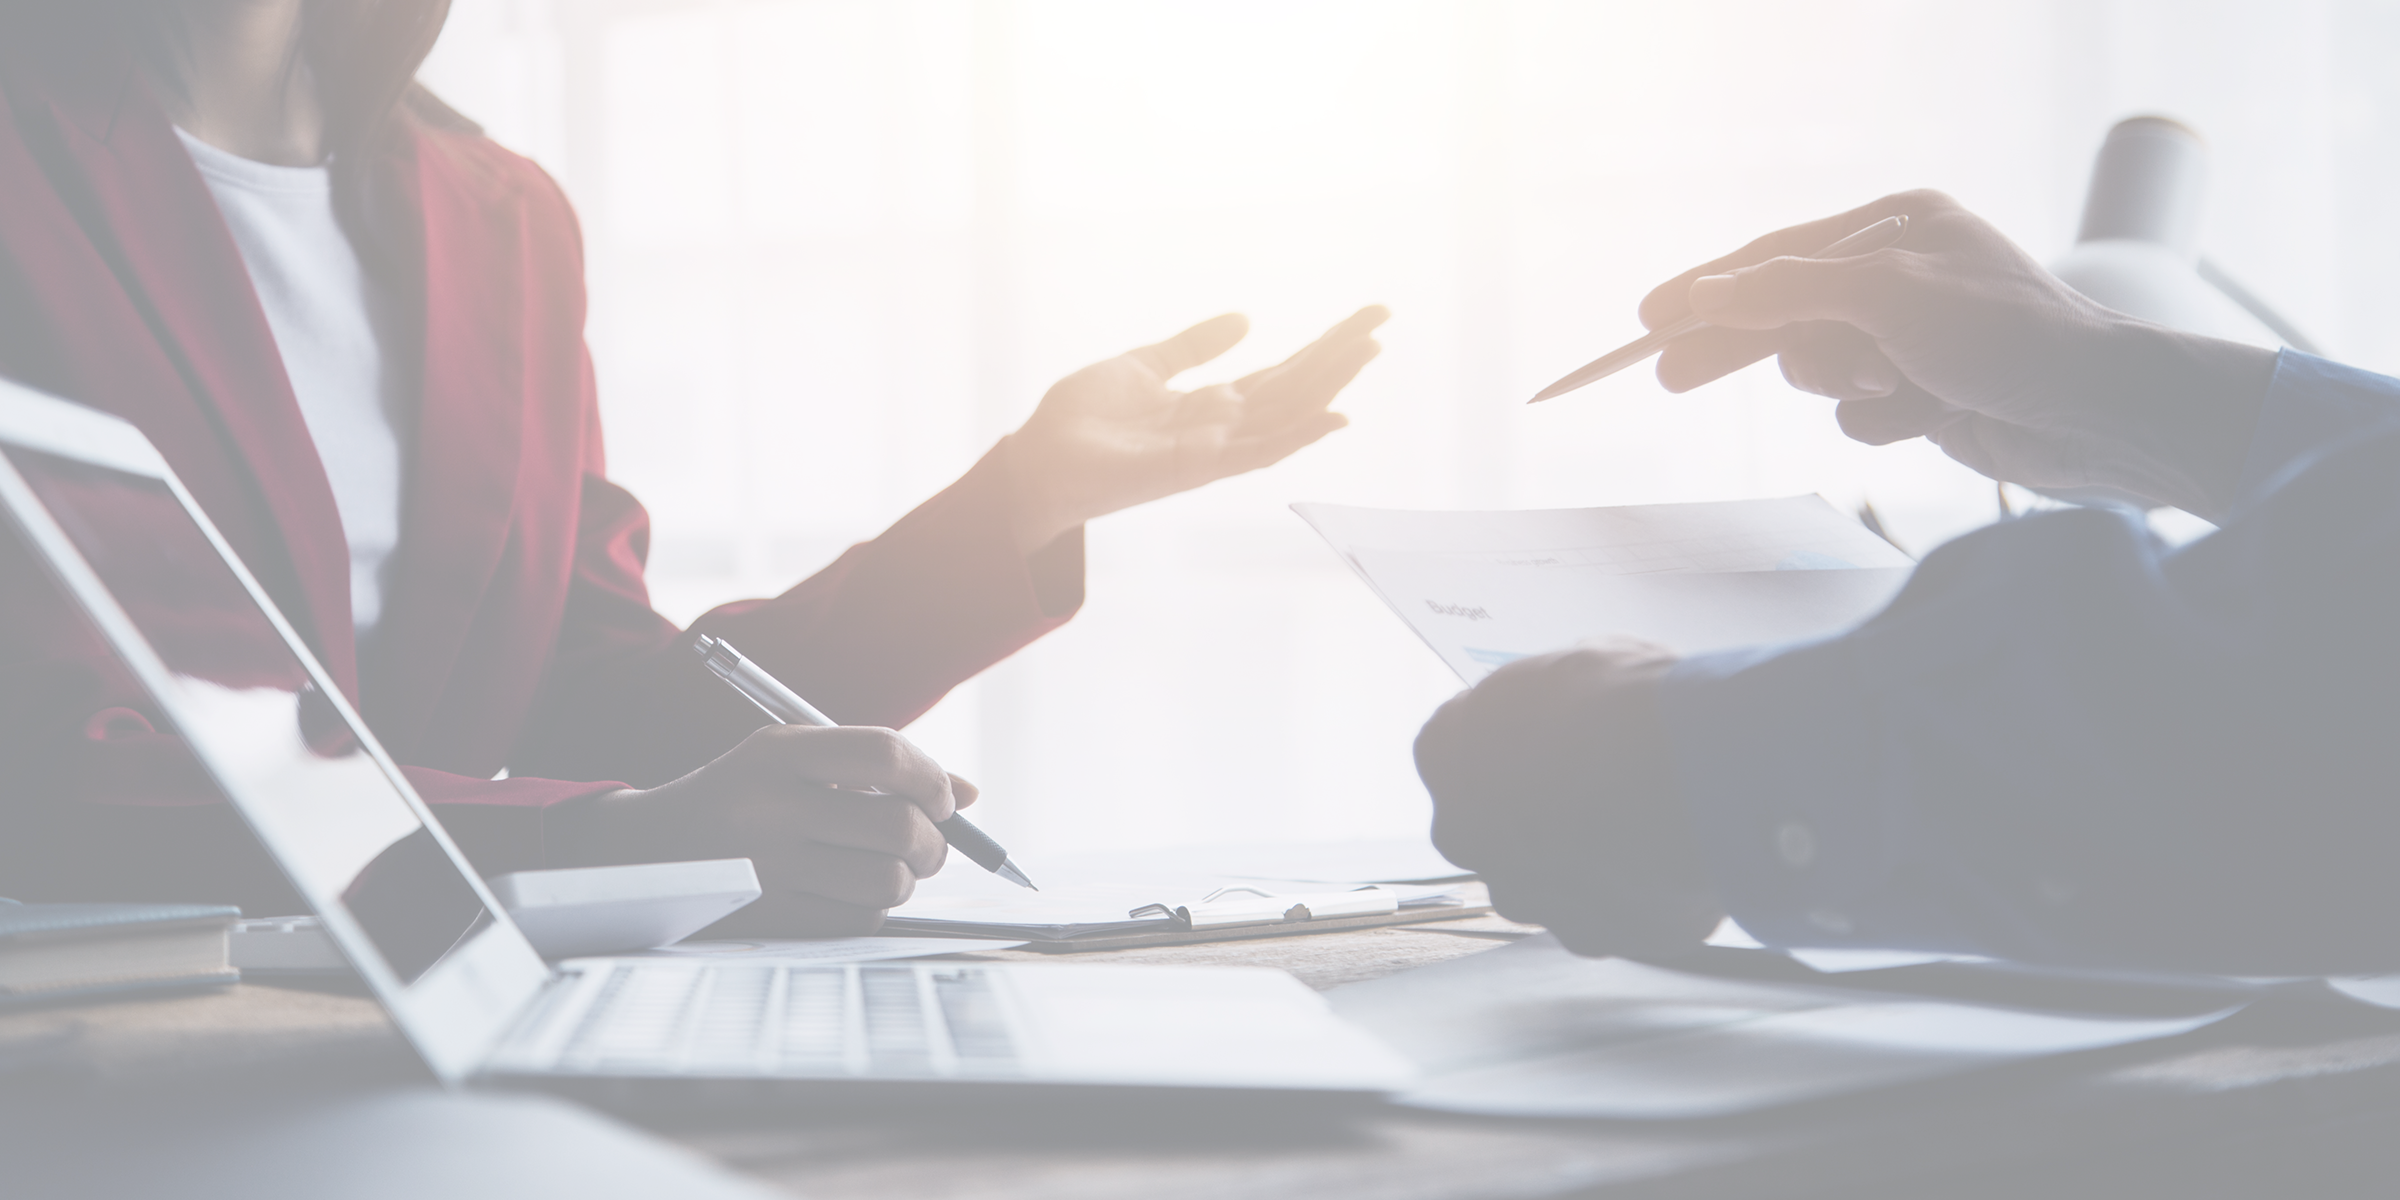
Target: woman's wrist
(1037,516)
(577,832)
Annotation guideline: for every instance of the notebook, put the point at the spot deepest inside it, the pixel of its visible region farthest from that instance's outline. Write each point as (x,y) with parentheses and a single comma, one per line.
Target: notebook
(58,951)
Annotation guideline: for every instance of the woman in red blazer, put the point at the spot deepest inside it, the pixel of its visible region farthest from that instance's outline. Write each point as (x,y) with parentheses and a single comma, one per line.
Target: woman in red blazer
(515,631)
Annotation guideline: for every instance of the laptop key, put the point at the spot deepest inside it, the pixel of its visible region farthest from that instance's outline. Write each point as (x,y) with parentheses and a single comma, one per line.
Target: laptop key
(979,1034)
(898,1042)
(731,1020)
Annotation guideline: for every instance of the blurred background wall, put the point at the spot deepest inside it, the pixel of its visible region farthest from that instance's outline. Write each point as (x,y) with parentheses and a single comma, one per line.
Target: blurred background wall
(837,247)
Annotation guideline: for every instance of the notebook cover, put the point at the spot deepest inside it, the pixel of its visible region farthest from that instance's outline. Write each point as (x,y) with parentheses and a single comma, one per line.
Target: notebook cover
(31,925)
(22,920)
(110,987)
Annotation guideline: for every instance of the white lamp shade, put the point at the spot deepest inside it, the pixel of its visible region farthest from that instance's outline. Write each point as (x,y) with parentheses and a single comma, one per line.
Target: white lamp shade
(2156,283)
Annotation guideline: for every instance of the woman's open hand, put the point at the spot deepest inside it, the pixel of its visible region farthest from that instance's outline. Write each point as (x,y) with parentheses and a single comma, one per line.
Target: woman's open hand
(1114,435)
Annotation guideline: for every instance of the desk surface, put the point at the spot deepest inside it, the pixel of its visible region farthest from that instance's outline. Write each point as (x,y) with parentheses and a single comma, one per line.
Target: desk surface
(2280,1104)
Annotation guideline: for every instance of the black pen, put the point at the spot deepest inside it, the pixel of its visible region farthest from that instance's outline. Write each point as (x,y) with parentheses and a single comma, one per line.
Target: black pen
(787,708)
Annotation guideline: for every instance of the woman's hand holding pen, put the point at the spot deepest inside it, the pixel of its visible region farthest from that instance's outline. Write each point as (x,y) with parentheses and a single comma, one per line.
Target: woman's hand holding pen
(1958,336)
(1551,779)
(1114,435)
(831,855)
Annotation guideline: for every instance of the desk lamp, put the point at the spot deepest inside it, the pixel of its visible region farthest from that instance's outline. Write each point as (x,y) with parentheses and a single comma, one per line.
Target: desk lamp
(2139,253)
(2139,249)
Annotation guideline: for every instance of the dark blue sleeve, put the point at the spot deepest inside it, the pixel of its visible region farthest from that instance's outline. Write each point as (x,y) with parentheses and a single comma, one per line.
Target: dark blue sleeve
(2063,742)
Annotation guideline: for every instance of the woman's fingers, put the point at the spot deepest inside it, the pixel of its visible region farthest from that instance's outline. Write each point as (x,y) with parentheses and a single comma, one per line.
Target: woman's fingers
(797,914)
(849,756)
(1349,329)
(840,873)
(887,827)
(1216,405)
(963,793)
(1251,452)
(1290,393)
(1193,346)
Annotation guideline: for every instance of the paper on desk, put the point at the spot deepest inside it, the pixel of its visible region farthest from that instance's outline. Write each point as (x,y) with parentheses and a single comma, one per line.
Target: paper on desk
(1353,862)
(2382,991)
(1486,588)
(1531,1030)
(1086,903)
(1832,961)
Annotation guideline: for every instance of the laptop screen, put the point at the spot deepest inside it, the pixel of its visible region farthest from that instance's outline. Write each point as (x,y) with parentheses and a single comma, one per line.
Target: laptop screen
(338,820)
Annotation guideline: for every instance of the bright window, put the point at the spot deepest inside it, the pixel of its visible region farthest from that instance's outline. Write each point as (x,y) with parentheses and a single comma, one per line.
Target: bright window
(839,246)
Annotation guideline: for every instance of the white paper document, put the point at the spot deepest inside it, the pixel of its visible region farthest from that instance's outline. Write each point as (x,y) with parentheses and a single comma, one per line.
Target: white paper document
(1486,588)
(1832,961)
(1357,861)
(1141,894)
(1532,1030)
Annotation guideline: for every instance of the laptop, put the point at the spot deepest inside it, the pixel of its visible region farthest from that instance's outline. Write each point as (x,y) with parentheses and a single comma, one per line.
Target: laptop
(88,497)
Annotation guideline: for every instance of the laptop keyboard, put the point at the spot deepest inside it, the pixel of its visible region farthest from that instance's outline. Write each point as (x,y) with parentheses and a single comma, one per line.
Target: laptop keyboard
(849,1020)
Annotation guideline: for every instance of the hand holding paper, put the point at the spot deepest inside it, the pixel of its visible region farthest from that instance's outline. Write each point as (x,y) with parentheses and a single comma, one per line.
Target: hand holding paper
(1551,776)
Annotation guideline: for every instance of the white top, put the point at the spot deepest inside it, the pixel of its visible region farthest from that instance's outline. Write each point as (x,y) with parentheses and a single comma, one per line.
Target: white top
(327,321)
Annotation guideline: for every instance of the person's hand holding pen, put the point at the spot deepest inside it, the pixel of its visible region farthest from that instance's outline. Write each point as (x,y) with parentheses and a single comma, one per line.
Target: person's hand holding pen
(1551,779)
(839,823)
(1958,336)
(1114,434)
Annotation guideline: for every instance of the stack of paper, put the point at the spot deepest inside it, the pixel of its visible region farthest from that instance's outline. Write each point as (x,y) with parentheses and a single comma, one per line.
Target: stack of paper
(1487,588)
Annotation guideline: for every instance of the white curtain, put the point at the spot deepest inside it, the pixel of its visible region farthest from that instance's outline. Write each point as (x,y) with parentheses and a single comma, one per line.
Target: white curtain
(839,246)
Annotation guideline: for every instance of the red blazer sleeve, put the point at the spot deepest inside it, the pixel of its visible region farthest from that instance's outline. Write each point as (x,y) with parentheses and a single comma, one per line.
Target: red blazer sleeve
(876,638)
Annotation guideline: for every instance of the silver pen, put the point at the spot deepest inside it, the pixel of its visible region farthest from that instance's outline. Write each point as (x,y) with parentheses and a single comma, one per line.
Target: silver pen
(1866,241)
(786,707)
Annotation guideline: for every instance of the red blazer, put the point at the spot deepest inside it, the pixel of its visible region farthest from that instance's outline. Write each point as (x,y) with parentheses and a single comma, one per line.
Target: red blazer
(517,632)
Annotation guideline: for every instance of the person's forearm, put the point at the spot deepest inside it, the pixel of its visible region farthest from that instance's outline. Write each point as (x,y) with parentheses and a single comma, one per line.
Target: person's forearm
(2196,402)
(1037,516)
(2064,744)
(875,638)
